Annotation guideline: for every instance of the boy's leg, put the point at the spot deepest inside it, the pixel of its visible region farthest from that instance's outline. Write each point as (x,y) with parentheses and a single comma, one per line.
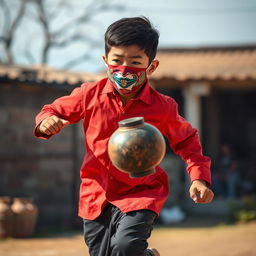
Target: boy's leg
(97,233)
(115,233)
(132,231)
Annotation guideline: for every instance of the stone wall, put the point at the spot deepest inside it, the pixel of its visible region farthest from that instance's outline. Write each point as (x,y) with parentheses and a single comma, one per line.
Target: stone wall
(41,169)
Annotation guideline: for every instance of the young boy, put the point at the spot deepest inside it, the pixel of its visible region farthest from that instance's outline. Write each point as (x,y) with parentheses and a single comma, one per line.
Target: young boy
(119,211)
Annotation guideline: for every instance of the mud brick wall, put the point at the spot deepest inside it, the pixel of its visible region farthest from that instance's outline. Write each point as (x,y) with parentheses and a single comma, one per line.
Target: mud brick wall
(41,169)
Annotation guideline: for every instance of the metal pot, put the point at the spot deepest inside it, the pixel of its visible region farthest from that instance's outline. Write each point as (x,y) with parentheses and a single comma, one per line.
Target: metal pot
(136,147)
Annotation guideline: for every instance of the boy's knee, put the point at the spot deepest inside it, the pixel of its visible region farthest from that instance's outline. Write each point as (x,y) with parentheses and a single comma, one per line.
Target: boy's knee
(128,246)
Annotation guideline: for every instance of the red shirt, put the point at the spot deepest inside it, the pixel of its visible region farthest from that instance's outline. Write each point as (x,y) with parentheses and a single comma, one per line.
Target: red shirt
(101,109)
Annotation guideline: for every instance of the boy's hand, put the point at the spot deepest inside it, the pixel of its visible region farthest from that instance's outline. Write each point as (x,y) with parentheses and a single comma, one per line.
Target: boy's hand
(200,193)
(52,125)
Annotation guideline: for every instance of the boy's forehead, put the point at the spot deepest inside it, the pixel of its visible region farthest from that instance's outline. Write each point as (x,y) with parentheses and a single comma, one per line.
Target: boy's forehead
(127,51)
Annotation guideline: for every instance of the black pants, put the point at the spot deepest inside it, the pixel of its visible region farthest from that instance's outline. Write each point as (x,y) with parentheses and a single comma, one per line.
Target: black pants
(115,233)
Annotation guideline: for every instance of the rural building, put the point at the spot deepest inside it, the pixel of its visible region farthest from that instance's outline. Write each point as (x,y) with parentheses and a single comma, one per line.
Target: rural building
(216,92)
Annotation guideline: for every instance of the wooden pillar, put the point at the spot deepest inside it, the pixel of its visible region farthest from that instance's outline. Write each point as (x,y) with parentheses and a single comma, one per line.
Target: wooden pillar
(192,94)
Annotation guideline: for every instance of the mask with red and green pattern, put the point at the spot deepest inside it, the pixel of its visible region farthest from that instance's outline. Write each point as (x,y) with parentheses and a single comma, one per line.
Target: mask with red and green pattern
(126,80)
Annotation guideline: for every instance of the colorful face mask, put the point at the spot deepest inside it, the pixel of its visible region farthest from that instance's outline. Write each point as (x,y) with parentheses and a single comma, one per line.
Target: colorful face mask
(127,80)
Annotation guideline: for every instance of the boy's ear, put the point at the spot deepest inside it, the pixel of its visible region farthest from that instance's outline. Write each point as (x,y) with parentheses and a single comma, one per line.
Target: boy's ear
(105,59)
(152,67)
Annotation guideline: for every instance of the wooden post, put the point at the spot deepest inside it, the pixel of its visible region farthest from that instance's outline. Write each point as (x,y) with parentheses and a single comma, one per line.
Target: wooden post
(192,94)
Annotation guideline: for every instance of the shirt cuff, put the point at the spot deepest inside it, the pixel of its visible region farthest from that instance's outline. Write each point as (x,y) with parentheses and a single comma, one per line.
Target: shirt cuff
(201,174)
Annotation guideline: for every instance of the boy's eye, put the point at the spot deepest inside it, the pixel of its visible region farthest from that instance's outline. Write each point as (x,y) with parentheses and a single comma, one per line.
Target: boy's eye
(116,60)
(136,63)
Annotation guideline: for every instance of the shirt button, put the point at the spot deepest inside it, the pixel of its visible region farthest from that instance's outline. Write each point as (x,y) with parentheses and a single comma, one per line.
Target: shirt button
(111,177)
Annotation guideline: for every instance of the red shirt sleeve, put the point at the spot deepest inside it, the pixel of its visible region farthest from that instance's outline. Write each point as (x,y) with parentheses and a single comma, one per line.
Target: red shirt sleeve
(70,108)
(185,141)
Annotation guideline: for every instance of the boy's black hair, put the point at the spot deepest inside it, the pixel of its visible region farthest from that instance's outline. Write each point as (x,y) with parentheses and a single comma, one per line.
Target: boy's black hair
(133,31)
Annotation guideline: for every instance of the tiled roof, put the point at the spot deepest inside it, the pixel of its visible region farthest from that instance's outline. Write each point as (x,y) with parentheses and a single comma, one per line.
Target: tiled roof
(206,64)
(175,64)
(44,75)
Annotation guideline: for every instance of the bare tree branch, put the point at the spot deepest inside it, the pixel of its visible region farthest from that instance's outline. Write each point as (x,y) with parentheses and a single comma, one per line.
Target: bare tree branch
(19,16)
(89,11)
(10,28)
(60,37)
(52,37)
(64,36)
(7,16)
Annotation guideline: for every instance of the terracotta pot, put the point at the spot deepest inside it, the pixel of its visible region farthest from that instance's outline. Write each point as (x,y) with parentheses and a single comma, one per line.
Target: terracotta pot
(25,217)
(6,217)
(136,147)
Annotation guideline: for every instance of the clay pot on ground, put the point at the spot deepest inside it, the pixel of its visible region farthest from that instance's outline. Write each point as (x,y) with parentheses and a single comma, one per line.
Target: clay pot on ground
(25,217)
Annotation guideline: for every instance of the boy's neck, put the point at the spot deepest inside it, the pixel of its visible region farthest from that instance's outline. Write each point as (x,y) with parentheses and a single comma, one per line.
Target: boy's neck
(126,98)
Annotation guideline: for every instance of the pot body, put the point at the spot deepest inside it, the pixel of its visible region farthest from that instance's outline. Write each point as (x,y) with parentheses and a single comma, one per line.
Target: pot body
(136,147)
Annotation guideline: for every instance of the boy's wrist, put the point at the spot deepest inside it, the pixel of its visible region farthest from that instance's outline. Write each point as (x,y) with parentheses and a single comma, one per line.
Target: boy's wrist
(200,181)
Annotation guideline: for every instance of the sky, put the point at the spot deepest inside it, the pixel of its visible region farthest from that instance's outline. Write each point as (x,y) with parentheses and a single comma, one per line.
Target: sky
(181,23)
(186,23)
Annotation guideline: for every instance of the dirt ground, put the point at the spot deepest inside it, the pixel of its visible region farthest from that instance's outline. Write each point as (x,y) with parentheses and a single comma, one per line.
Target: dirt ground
(220,240)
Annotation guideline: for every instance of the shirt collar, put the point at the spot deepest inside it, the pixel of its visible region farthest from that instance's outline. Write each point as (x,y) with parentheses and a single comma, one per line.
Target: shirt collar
(108,87)
(144,95)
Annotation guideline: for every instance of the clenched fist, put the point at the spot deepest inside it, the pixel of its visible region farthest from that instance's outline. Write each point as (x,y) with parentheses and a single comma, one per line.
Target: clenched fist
(200,193)
(52,125)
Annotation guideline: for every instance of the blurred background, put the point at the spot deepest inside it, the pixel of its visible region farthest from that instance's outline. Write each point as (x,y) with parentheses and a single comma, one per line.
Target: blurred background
(207,55)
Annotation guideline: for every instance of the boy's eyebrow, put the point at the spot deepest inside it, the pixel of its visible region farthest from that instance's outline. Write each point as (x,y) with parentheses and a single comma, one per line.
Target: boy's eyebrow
(130,57)
(136,57)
